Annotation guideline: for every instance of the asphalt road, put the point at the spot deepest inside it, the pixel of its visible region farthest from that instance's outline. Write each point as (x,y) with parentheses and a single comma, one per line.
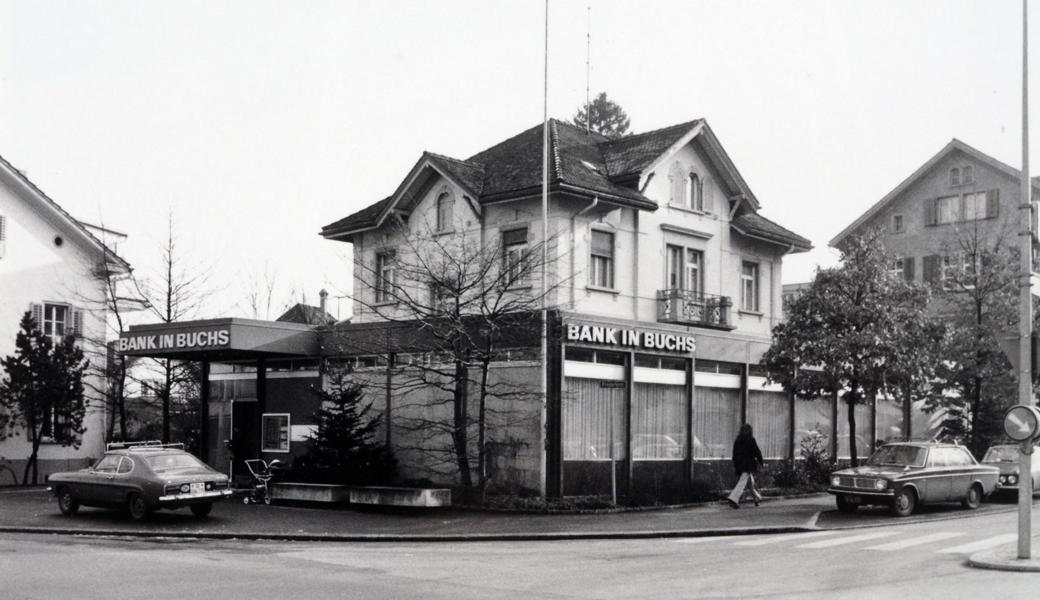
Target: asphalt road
(924,559)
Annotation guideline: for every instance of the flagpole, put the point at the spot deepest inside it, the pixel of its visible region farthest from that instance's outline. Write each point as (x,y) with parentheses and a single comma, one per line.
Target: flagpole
(543,460)
(1025,317)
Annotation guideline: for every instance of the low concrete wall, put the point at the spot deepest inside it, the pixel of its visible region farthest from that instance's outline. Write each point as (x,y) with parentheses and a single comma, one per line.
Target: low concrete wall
(400,496)
(309,492)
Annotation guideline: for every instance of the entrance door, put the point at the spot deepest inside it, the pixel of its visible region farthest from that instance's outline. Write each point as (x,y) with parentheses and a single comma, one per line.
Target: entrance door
(245,436)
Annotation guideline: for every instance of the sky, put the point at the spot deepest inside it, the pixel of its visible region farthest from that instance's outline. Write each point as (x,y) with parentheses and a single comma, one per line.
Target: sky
(251,124)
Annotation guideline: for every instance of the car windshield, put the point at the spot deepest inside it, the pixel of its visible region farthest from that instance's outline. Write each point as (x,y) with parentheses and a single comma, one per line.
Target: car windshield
(900,456)
(173,462)
(1001,454)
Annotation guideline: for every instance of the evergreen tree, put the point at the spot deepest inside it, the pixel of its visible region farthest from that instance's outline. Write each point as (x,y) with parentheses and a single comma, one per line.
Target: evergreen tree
(604,116)
(342,450)
(41,394)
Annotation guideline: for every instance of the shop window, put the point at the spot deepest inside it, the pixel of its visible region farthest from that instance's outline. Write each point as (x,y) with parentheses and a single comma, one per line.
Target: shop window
(514,257)
(590,408)
(723,368)
(445,212)
(275,432)
(890,421)
(864,446)
(651,361)
(749,286)
(769,414)
(716,420)
(812,417)
(658,421)
(602,259)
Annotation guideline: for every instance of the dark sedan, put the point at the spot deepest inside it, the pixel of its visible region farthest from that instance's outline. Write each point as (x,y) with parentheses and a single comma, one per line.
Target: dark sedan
(906,474)
(142,478)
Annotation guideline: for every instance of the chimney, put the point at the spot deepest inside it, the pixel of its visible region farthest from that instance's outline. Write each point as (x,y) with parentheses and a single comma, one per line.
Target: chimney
(324,296)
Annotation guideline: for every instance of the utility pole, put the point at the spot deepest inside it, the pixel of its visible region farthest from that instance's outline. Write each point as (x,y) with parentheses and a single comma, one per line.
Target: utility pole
(1025,315)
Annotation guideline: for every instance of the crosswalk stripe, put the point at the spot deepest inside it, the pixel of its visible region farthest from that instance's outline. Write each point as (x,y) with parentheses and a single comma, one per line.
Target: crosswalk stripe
(917,541)
(701,540)
(787,537)
(981,544)
(848,540)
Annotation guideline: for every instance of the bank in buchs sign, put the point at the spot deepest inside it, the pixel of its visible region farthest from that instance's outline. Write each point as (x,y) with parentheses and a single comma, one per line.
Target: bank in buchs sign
(632,338)
(175,341)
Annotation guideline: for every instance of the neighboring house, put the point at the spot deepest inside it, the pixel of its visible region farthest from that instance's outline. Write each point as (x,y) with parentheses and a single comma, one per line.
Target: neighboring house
(791,291)
(957,195)
(668,287)
(47,266)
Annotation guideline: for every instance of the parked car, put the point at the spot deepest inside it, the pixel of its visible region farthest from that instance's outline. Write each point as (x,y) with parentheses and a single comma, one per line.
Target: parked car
(141,477)
(1005,457)
(906,474)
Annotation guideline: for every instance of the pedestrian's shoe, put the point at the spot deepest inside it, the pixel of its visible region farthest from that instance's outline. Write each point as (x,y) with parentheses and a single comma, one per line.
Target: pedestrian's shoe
(733,504)
(758,498)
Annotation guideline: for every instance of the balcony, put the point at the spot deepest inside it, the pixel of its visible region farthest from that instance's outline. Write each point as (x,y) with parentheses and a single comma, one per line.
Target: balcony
(687,307)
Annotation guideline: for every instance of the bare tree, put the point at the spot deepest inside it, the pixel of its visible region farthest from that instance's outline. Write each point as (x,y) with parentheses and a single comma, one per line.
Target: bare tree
(265,297)
(462,303)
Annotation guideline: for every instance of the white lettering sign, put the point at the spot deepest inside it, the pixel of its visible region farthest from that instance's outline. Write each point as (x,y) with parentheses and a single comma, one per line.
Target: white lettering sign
(619,336)
(174,341)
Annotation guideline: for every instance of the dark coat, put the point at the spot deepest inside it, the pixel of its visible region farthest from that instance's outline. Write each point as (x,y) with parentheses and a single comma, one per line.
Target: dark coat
(746,455)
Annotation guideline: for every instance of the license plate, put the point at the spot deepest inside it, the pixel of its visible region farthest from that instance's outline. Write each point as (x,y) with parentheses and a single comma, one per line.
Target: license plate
(198,488)
(853,499)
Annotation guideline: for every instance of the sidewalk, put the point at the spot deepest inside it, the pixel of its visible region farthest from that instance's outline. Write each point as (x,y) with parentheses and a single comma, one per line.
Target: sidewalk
(35,511)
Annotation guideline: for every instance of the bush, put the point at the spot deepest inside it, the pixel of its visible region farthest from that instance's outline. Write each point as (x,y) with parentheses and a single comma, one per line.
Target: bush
(816,461)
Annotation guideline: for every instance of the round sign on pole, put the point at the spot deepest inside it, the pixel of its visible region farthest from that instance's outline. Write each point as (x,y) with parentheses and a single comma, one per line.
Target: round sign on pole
(1022,422)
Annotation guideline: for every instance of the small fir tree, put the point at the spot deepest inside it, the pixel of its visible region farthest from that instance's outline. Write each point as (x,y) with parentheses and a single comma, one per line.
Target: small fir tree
(41,393)
(604,116)
(343,450)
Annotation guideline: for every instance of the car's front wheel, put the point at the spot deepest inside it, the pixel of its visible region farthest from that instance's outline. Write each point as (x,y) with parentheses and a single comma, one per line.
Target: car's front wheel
(904,503)
(845,505)
(973,498)
(67,503)
(201,510)
(136,506)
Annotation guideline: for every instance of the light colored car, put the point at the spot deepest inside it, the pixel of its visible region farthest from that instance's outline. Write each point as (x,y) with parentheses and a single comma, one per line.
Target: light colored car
(906,474)
(1005,457)
(141,477)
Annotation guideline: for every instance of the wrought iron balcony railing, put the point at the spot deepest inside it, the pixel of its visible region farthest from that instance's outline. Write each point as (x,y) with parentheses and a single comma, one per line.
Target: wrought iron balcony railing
(689,307)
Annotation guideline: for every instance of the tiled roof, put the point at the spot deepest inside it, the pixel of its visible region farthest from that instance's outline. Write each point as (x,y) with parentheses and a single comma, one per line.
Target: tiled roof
(307,315)
(755,225)
(362,219)
(634,153)
(469,174)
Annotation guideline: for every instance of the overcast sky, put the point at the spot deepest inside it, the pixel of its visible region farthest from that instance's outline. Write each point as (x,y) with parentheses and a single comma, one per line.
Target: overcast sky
(256,123)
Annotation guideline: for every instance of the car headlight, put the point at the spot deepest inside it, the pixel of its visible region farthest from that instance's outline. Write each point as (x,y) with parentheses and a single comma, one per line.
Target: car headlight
(880,484)
(835,481)
(185,488)
(1012,478)
(1002,479)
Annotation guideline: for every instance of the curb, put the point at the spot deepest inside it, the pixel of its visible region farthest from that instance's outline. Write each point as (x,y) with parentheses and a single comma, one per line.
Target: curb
(417,538)
(1004,559)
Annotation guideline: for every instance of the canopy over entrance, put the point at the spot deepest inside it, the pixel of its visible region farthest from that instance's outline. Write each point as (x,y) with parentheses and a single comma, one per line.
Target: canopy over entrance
(218,340)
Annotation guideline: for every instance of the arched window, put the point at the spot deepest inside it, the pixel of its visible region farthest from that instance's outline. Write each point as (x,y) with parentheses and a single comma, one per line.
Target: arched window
(445,208)
(695,192)
(955,176)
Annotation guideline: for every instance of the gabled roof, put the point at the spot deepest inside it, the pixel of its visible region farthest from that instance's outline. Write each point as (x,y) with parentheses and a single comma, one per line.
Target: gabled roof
(580,163)
(756,226)
(955,145)
(34,193)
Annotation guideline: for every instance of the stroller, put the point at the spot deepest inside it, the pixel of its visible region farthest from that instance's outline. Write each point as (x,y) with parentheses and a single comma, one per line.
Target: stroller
(262,473)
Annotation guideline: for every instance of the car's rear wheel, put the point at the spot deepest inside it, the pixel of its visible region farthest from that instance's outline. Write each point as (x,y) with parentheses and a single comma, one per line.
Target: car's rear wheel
(201,510)
(973,498)
(67,503)
(845,505)
(904,503)
(136,506)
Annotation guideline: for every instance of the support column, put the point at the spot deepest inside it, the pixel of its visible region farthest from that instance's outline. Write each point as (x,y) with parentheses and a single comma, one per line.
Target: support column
(261,399)
(204,413)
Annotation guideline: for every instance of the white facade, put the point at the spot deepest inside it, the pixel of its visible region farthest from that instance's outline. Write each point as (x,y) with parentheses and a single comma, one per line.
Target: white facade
(46,260)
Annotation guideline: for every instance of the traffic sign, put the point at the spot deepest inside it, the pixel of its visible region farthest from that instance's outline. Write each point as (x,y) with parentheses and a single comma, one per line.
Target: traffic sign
(1022,422)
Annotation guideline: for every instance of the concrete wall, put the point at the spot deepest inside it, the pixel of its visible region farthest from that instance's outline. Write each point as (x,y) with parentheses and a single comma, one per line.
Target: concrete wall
(35,269)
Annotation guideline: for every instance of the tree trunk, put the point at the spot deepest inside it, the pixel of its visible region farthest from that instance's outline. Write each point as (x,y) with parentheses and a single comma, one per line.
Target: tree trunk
(485,365)
(461,421)
(850,399)
(166,403)
(976,399)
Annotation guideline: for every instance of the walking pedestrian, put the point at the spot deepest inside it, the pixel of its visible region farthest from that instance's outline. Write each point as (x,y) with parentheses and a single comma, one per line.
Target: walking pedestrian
(746,460)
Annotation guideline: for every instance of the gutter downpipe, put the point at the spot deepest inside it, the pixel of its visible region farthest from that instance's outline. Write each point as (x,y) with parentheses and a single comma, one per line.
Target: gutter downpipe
(574,240)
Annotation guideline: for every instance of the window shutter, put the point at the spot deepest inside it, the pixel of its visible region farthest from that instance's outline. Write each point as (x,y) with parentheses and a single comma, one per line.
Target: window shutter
(992,203)
(707,196)
(931,268)
(603,243)
(77,322)
(929,212)
(3,234)
(37,314)
(514,236)
(908,268)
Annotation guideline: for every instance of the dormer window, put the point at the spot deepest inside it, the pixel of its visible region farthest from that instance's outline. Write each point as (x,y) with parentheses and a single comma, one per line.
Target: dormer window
(445,211)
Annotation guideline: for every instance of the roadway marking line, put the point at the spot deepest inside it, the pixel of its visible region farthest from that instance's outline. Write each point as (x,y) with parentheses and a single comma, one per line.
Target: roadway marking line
(980,545)
(788,537)
(848,540)
(917,541)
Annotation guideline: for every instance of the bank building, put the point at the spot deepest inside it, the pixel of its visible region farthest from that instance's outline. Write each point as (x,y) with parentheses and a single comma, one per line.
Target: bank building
(661,282)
